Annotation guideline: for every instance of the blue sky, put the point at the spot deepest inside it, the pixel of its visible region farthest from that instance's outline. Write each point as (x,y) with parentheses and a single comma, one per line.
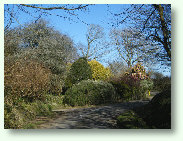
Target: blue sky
(97,14)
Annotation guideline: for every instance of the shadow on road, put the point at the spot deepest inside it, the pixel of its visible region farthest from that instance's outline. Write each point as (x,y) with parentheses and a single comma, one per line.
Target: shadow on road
(102,117)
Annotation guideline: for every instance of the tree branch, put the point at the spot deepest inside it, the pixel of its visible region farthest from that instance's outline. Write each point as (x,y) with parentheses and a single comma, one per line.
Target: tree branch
(53,8)
(164,29)
(148,19)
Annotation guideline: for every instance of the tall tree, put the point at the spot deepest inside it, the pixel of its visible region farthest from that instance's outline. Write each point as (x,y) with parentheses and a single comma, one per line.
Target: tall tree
(130,44)
(117,67)
(154,21)
(40,42)
(96,45)
(164,27)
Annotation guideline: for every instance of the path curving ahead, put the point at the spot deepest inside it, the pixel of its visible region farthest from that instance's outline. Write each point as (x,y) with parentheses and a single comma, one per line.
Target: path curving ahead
(102,117)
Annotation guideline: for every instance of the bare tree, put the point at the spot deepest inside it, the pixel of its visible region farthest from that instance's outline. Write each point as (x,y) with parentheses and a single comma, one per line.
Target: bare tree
(117,67)
(130,44)
(154,21)
(96,45)
(166,31)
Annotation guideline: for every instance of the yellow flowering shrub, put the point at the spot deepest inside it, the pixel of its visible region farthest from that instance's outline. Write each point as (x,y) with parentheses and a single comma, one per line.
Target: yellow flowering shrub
(99,72)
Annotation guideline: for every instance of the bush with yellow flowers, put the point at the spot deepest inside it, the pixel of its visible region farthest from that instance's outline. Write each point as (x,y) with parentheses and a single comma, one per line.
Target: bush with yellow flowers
(99,72)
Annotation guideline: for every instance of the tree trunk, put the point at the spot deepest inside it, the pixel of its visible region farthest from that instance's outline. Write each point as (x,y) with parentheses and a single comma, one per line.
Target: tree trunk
(164,30)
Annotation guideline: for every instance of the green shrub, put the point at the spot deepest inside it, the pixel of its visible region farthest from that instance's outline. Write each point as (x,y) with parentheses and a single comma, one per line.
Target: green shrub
(80,70)
(19,115)
(99,72)
(89,92)
(130,120)
(55,101)
(145,85)
(131,88)
(56,84)
(161,84)
(122,89)
(13,119)
(127,87)
(157,113)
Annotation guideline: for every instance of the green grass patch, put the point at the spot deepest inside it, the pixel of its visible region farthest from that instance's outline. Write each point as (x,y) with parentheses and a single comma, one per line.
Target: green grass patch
(130,120)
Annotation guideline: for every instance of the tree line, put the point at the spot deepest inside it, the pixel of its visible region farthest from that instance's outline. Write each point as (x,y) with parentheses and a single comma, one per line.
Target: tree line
(147,37)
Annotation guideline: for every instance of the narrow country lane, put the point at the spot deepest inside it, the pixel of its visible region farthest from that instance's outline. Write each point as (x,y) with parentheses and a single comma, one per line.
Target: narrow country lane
(103,117)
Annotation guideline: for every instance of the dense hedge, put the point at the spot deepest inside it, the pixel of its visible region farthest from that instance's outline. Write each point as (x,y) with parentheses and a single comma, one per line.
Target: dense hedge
(56,84)
(89,92)
(130,86)
(127,87)
(26,79)
(99,72)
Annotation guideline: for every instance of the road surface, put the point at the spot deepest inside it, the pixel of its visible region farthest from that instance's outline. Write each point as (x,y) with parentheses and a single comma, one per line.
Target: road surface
(102,117)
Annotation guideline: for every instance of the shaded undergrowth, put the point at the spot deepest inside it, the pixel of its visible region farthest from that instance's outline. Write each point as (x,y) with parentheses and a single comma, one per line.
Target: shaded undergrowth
(155,115)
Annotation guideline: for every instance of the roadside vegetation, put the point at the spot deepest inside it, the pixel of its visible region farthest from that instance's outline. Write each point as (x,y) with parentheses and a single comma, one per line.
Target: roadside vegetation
(155,115)
(44,71)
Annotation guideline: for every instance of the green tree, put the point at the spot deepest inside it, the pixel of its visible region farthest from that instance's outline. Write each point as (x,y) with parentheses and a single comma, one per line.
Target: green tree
(12,40)
(43,44)
(48,46)
(80,70)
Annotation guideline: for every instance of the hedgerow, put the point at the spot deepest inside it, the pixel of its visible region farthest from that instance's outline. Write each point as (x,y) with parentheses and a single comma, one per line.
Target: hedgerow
(26,79)
(89,92)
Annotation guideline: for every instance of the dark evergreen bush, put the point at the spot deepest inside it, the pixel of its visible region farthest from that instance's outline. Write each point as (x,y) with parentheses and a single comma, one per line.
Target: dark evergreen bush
(122,89)
(80,70)
(129,88)
(157,113)
(89,92)
(162,83)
